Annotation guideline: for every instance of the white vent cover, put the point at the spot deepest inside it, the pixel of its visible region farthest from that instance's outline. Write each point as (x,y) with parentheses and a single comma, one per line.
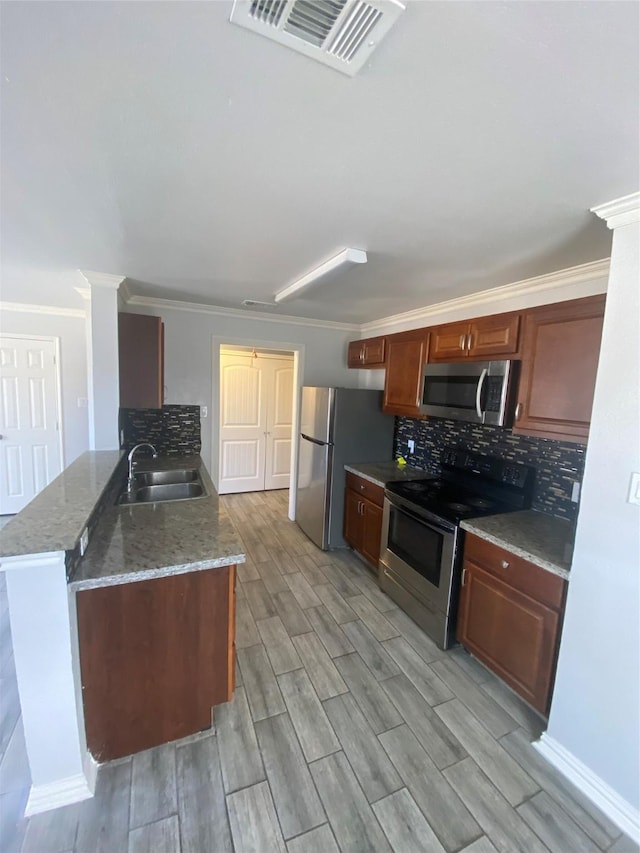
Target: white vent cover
(340,33)
(255,303)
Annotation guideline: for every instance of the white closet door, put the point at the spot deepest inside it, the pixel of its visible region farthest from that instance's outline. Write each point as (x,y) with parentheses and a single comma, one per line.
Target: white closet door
(29,438)
(279,423)
(243,424)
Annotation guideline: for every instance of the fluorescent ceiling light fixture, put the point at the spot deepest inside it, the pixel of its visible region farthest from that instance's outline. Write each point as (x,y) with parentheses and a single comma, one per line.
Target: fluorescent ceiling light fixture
(343,260)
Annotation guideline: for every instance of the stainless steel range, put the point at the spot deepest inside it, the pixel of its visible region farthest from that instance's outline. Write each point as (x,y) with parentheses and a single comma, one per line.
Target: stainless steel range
(421,547)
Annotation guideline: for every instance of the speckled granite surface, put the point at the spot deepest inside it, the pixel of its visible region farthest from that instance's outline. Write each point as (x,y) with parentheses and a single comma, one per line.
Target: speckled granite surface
(382,473)
(145,541)
(55,518)
(540,538)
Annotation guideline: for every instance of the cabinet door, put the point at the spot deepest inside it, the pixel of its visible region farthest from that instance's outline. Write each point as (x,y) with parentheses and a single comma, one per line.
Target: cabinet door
(155,656)
(141,361)
(510,632)
(374,349)
(368,352)
(449,342)
(492,336)
(406,356)
(371,532)
(355,354)
(353,519)
(560,354)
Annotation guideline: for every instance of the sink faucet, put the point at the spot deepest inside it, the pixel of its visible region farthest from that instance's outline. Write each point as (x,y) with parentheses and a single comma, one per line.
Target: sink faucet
(132,461)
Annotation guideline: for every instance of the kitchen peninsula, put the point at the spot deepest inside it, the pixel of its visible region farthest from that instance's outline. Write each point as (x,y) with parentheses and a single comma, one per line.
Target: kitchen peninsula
(128,645)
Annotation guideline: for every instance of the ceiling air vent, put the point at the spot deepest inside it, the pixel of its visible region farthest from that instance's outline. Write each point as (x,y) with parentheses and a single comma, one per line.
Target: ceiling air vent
(340,33)
(255,303)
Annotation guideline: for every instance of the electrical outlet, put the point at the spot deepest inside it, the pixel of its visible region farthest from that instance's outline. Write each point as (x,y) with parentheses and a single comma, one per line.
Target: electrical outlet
(204,411)
(84,541)
(411,445)
(575,492)
(83,402)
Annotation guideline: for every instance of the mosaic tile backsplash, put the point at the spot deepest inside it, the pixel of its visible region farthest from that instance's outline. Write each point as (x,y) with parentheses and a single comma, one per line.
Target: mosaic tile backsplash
(173,430)
(558,464)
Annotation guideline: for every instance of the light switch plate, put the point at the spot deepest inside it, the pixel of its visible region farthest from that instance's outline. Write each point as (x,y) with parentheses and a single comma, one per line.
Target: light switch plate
(411,445)
(204,411)
(634,488)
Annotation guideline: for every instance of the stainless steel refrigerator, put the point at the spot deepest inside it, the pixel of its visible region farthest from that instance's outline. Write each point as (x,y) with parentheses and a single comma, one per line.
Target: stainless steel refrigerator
(338,426)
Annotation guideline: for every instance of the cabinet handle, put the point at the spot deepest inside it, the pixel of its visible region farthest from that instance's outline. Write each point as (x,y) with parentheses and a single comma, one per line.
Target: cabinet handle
(464,577)
(463,341)
(518,411)
(505,564)
(362,354)
(469,341)
(361,487)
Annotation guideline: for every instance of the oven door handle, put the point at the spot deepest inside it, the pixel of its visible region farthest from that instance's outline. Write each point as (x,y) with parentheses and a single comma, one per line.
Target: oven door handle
(481,380)
(419,518)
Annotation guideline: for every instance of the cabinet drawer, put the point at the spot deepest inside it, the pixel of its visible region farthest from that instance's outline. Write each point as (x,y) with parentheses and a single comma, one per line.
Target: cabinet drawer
(363,487)
(519,573)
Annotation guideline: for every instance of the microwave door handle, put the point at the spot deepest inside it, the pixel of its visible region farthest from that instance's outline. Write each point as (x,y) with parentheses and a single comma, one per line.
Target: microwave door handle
(481,380)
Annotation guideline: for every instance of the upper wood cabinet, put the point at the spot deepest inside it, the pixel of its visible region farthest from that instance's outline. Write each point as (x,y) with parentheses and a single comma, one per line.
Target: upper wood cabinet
(484,337)
(560,350)
(141,357)
(406,357)
(369,352)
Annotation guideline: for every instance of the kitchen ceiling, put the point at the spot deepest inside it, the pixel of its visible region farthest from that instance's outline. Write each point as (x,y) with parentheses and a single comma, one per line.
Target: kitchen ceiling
(158,141)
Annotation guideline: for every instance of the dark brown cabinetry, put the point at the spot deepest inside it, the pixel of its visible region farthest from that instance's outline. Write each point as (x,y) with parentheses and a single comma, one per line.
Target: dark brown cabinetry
(369,352)
(561,346)
(363,517)
(510,616)
(485,337)
(406,357)
(155,656)
(141,357)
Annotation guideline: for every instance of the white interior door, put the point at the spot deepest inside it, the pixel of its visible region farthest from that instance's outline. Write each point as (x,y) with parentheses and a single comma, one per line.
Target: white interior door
(30,452)
(256,400)
(243,424)
(279,423)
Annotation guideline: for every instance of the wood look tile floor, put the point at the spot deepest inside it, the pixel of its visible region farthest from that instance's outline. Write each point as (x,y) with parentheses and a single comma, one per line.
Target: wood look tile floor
(349,731)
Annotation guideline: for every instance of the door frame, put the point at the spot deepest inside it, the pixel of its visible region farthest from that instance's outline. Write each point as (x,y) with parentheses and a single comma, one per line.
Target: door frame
(55,340)
(298,351)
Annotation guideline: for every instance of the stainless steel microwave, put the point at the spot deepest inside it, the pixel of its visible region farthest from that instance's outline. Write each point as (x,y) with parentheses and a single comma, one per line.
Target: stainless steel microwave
(476,391)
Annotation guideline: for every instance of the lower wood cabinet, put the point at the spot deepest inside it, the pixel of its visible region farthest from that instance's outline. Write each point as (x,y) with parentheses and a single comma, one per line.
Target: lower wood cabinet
(363,517)
(155,656)
(510,617)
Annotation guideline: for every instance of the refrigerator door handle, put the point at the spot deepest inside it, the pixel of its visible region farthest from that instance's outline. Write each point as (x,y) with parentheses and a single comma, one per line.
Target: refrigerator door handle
(317,441)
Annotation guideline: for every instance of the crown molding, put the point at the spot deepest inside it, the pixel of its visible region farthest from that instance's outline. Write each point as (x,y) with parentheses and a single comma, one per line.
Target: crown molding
(124,292)
(199,308)
(102,279)
(25,308)
(539,284)
(85,292)
(620,211)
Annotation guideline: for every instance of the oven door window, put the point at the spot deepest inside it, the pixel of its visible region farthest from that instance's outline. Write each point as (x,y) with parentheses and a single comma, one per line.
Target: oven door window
(417,544)
(451,392)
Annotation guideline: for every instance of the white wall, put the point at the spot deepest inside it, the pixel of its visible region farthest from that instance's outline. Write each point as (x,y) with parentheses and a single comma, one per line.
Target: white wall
(188,354)
(595,713)
(73,369)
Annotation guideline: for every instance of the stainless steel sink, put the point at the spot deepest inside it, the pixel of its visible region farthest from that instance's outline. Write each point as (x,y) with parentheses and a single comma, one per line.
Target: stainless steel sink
(155,486)
(162,478)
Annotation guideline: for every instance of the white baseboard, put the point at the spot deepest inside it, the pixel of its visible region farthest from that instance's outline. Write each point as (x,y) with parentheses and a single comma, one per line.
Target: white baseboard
(43,798)
(616,808)
(90,767)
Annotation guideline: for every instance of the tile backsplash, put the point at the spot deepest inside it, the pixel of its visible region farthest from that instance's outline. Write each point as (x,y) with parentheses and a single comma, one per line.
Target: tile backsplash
(558,464)
(173,430)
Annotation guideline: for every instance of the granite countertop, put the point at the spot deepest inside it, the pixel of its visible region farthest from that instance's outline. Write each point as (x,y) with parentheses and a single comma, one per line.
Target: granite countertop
(56,517)
(145,541)
(542,539)
(382,473)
